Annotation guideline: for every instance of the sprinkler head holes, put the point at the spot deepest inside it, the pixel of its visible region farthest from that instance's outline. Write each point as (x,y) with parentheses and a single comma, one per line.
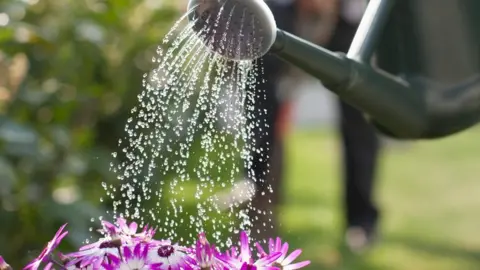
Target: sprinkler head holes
(235,29)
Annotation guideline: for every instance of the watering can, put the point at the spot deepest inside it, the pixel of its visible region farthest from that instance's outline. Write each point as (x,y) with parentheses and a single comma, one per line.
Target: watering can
(424,84)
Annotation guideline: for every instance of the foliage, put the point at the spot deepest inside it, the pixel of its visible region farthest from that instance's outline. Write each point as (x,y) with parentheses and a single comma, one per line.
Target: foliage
(70,71)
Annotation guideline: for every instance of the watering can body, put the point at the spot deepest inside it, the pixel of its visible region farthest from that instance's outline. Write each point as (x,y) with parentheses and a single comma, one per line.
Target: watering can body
(424,81)
(434,45)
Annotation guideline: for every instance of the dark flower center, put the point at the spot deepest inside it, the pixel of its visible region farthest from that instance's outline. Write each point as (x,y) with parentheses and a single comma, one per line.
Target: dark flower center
(116,243)
(165,251)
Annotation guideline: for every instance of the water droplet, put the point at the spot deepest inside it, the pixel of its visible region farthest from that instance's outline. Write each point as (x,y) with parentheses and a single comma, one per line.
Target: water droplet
(195,118)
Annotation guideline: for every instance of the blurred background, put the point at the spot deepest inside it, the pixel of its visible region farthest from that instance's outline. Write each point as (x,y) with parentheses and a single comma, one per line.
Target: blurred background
(69,75)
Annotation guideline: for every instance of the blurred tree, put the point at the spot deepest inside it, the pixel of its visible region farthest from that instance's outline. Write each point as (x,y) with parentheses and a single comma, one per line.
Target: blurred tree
(70,71)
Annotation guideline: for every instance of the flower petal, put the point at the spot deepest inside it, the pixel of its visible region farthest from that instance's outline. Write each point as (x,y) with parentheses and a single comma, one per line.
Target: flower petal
(269,259)
(48,266)
(284,251)
(261,251)
(133,227)
(245,251)
(296,265)
(292,257)
(271,246)
(127,253)
(278,244)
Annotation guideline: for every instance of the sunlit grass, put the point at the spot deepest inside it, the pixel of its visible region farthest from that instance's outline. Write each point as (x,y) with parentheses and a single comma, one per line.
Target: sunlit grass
(429,193)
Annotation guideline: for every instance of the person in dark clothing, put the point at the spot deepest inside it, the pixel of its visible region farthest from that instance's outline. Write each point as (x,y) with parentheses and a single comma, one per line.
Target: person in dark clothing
(359,140)
(360,143)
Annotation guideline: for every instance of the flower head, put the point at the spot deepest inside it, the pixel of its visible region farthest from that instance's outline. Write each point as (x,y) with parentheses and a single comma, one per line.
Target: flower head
(245,261)
(4,265)
(131,259)
(94,254)
(44,257)
(127,229)
(171,256)
(283,262)
(206,254)
(127,232)
(121,230)
(123,248)
(146,235)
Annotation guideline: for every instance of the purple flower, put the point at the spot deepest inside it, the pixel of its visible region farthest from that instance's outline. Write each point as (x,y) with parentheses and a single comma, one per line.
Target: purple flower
(146,235)
(124,248)
(47,251)
(206,254)
(94,254)
(115,237)
(232,253)
(245,260)
(126,229)
(284,261)
(122,230)
(131,259)
(109,229)
(4,265)
(127,232)
(172,257)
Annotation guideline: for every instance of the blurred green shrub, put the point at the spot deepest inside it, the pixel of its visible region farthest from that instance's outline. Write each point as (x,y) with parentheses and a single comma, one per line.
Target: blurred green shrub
(70,71)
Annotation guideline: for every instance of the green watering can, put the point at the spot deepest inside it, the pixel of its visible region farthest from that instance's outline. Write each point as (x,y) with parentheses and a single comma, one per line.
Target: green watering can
(426,80)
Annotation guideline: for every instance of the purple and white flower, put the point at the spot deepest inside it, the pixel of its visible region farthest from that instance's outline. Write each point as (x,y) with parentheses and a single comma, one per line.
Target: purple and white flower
(146,235)
(127,232)
(206,254)
(284,261)
(121,230)
(245,261)
(171,256)
(94,254)
(123,248)
(131,259)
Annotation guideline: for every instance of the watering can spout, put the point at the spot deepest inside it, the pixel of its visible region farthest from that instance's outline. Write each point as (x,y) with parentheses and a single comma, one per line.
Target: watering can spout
(412,108)
(392,103)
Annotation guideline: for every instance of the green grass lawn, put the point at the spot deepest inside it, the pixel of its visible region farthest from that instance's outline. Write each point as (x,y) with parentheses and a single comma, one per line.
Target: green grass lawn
(429,193)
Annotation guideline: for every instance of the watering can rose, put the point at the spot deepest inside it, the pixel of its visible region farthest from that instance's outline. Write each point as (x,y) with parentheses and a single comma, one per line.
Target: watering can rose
(124,247)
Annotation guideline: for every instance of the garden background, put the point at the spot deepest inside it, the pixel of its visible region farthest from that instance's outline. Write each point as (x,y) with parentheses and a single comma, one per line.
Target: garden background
(70,72)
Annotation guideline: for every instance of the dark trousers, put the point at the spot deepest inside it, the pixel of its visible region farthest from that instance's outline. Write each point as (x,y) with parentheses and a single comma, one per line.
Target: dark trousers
(360,148)
(359,140)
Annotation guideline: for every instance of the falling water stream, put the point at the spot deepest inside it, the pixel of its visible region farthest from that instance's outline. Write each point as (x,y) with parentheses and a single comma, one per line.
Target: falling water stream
(193,122)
